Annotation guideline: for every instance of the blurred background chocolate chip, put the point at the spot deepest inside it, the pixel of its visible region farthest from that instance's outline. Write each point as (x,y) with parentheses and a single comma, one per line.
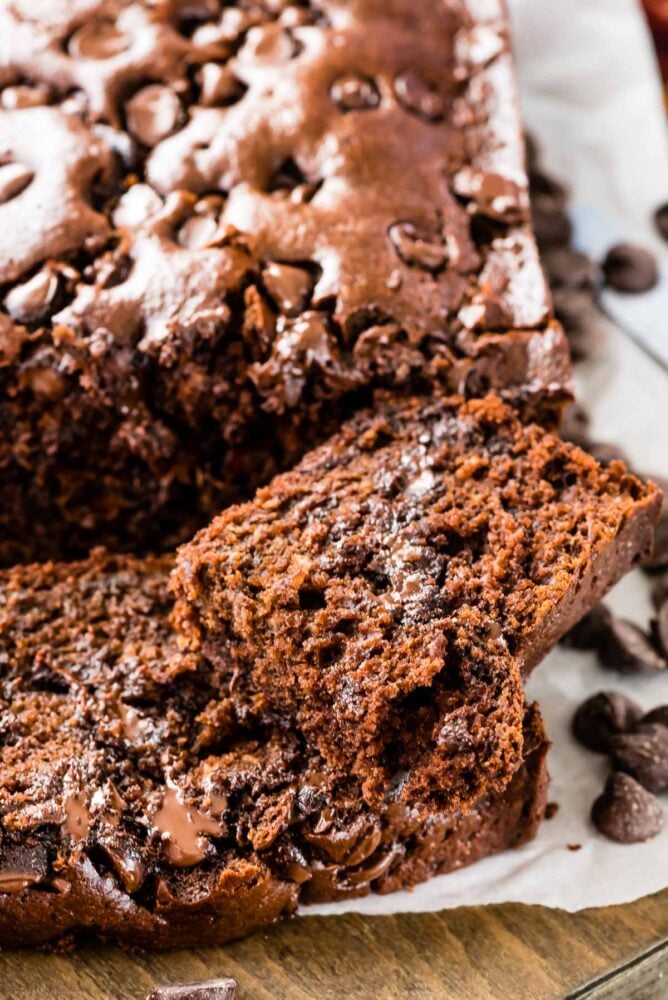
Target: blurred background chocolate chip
(661,220)
(658,715)
(588,632)
(602,717)
(626,812)
(626,648)
(643,753)
(629,268)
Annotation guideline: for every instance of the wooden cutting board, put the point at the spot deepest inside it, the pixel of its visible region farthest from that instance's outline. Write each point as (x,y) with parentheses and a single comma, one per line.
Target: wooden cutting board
(484,953)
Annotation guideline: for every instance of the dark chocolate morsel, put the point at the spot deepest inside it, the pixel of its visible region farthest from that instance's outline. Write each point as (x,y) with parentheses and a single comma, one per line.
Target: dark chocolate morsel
(626,812)
(629,268)
(643,753)
(602,717)
(658,715)
(210,989)
(588,632)
(626,648)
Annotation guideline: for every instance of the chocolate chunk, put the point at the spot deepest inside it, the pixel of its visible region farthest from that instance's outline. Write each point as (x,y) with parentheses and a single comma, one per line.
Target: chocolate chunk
(210,989)
(14,178)
(289,286)
(355,93)
(629,268)
(97,40)
(491,195)
(643,754)
(602,717)
(30,301)
(661,220)
(153,113)
(589,631)
(417,246)
(416,95)
(626,648)
(658,715)
(218,85)
(626,812)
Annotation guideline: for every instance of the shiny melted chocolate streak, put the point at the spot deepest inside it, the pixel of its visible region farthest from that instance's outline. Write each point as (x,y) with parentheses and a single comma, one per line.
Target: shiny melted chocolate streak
(222,226)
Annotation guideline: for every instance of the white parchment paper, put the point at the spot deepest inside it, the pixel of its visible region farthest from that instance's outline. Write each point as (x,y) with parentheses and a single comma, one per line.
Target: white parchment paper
(590,91)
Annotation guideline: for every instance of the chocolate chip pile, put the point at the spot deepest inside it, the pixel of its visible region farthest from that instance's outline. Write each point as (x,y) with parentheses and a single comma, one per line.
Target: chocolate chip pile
(627,810)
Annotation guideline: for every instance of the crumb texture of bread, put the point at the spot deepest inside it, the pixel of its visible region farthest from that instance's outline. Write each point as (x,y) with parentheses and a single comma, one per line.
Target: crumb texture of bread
(387,595)
(140,807)
(222,225)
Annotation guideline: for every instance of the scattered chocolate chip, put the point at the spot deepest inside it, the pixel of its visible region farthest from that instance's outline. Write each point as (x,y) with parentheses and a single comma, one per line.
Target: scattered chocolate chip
(659,557)
(626,812)
(289,286)
(661,220)
(588,632)
(551,223)
(355,93)
(643,754)
(574,847)
(658,715)
(629,268)
(626,648)
(602,717)
(97,40)
(211,989)
(416,95)
(29,302)
(567,268)
(659,590)
(551,810)
(153,113)
(659,628)
(418,246)
(14,178)
(218,86)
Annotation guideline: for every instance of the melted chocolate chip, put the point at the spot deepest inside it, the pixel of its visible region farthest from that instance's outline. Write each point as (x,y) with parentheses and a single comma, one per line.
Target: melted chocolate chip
(416,95)
(153,113)
(418,246)
(289,286)
(629,268)
(626,812)
(218,86)
(602,717)
(14,178)
(643,754)
(210,989)
(626,648)
(30,301)
(97,40)
(355,93)
(491,195)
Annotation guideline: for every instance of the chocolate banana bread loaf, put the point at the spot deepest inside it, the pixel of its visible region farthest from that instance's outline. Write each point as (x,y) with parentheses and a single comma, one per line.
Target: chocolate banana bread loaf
(139,806)
(223,224)
(386,596)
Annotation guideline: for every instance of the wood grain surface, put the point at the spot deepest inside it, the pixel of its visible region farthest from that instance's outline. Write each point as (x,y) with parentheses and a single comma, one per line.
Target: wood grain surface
(506,952)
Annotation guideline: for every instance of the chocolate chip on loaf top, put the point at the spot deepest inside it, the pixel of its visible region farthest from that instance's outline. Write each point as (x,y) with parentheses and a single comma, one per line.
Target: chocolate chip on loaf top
(386,595)
(140,805)
(222,224)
